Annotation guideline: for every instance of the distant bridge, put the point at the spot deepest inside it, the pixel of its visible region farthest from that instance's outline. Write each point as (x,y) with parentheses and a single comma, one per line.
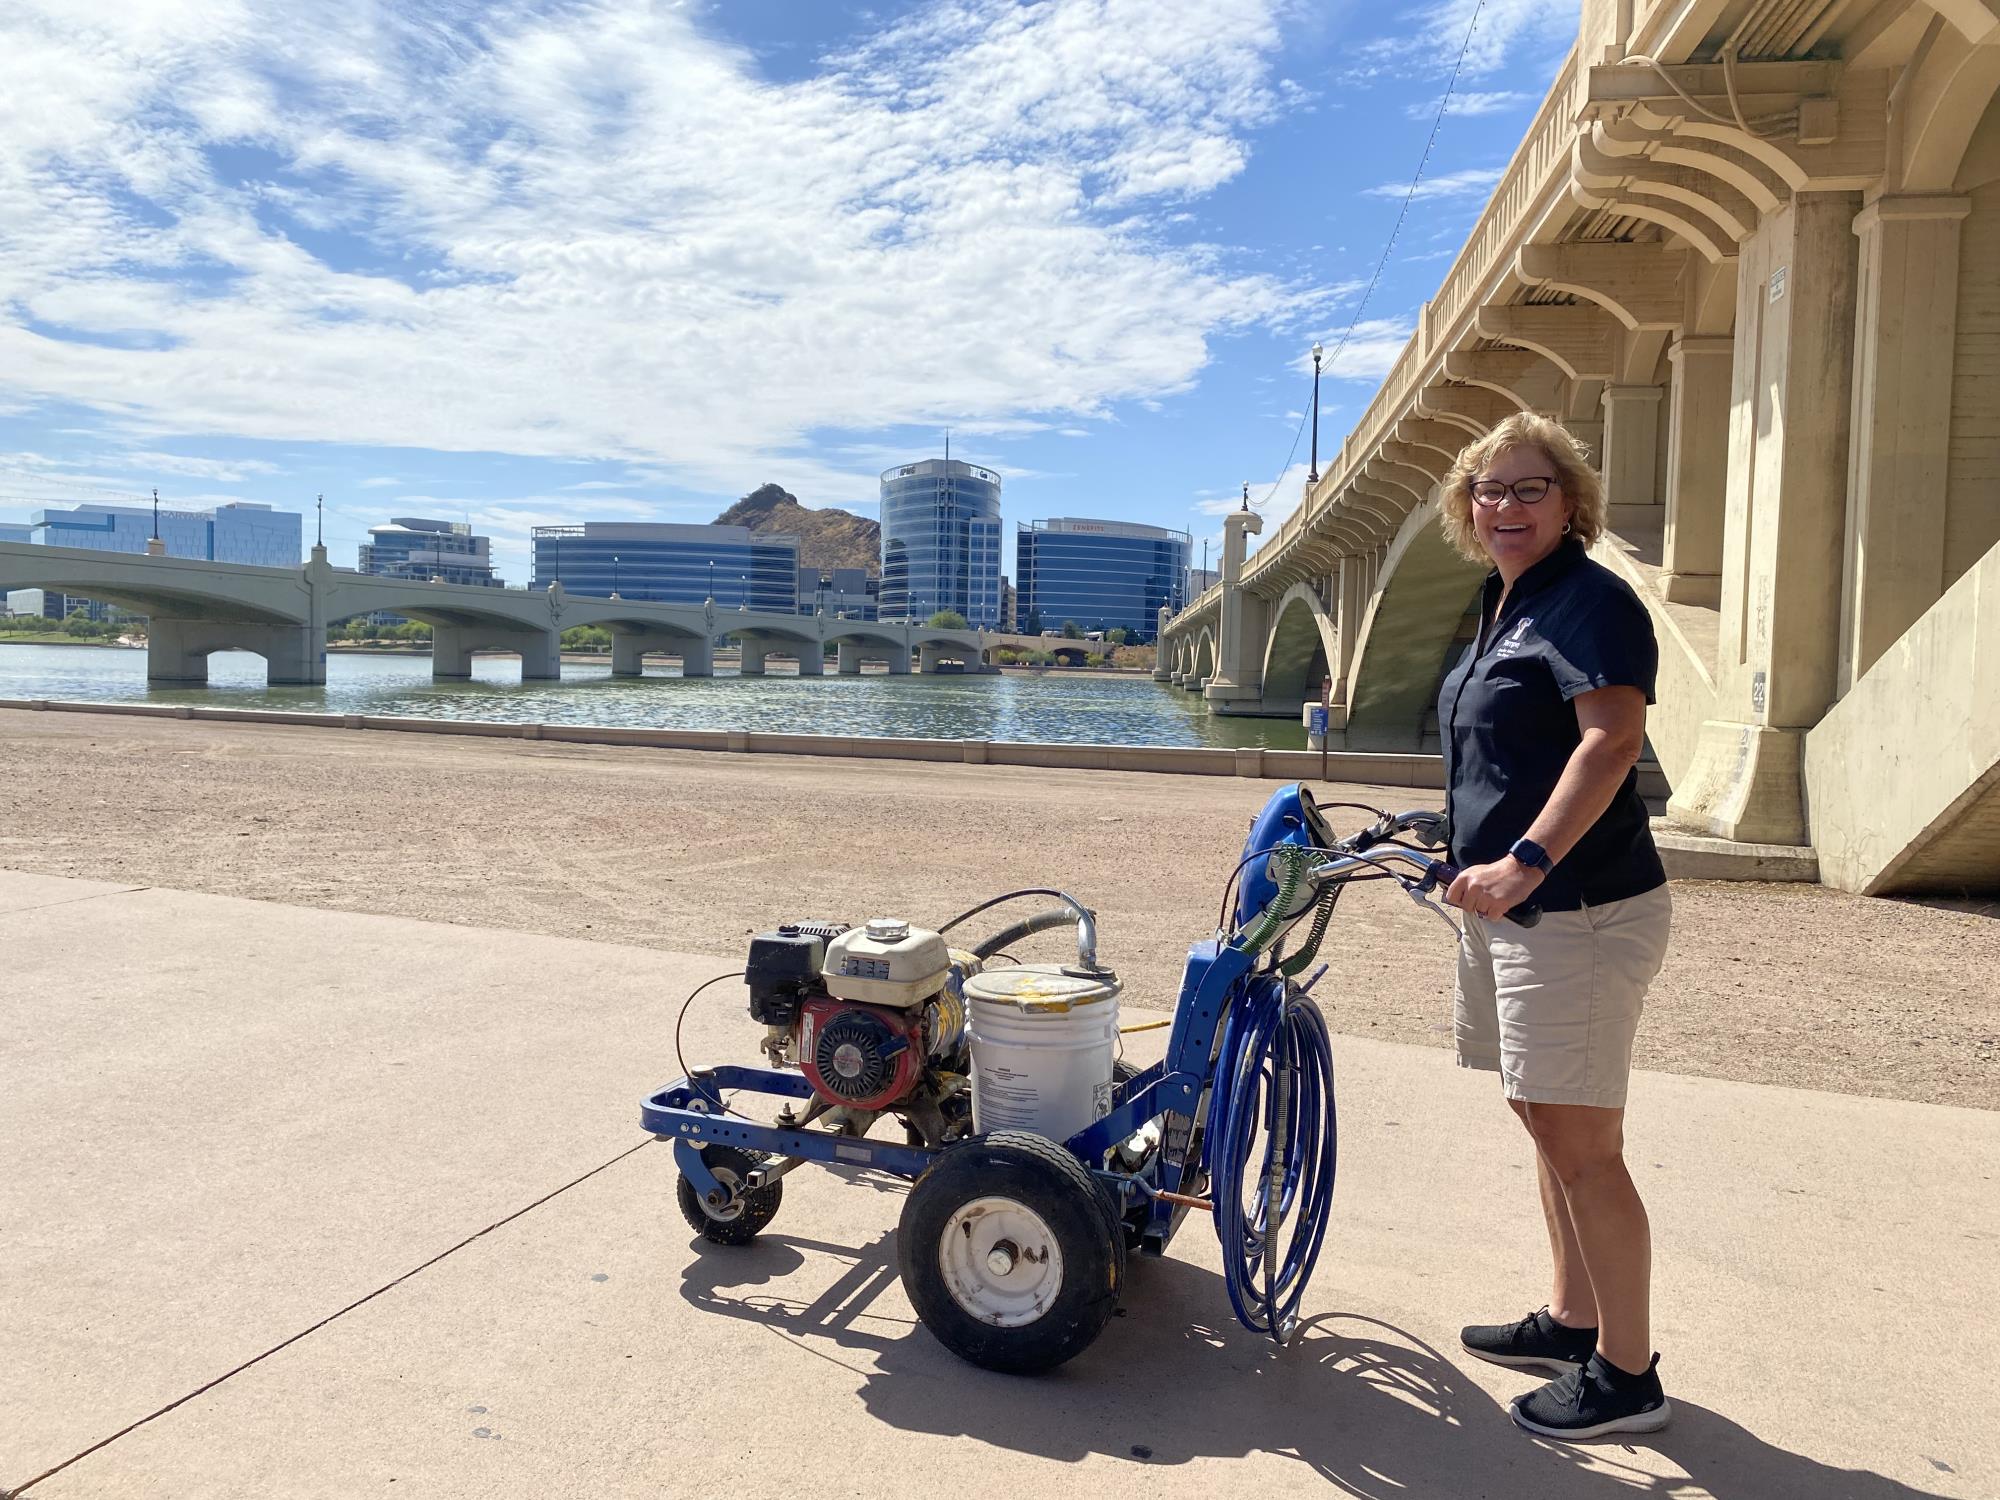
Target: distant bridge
(195,607)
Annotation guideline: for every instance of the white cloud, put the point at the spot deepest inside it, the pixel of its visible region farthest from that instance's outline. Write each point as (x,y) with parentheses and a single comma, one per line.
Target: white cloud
(1367,352)
(588,229)
(1505,30)
(1471,102)
(381,482)
(220,470)
(1462,183)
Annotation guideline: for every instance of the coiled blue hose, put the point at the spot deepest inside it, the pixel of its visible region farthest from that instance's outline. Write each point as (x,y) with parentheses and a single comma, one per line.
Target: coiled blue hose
(1274,1074)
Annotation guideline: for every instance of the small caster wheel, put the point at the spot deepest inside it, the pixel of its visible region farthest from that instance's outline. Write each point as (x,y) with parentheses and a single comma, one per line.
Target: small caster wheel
(1010,1254)
(738,1221)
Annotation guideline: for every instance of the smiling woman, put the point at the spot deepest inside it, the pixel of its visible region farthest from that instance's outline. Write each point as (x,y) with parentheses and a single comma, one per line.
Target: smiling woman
(1543,720)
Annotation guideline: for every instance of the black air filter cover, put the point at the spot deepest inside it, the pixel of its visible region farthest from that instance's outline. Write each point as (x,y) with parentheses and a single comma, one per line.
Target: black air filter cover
(783,964)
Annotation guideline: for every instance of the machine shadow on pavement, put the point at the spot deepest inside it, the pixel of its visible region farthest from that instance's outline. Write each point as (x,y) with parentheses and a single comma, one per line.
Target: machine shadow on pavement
(1372,1410)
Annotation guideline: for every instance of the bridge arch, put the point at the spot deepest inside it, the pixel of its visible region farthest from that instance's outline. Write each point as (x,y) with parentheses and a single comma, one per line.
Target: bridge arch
(1421,594)
(1204,658)
(1300,651)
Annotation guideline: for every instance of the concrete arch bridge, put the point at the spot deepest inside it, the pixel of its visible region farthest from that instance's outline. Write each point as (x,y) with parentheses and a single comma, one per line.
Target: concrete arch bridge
(194,608)
(1749,250)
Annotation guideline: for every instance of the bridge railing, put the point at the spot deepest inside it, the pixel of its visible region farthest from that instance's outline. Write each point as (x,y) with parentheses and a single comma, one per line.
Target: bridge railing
(1487,255)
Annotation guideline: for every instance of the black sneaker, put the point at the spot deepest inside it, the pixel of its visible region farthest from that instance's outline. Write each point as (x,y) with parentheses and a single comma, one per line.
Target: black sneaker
(1595,1401)
(1537,1342)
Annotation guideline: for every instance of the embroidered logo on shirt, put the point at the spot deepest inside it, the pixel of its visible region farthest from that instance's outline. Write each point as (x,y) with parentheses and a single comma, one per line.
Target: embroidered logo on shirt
(1515,638)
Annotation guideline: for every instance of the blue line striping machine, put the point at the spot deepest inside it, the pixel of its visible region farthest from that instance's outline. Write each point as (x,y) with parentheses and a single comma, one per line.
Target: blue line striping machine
(1039,1160)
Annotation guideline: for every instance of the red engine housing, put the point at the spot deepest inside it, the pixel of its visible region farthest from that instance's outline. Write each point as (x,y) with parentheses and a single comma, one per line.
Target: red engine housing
(863,1056)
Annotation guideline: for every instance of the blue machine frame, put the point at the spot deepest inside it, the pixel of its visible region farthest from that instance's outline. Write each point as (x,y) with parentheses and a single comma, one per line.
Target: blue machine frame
(691,1114)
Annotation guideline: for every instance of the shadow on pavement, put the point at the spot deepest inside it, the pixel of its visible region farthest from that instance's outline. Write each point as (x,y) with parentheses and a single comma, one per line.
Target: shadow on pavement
(1369,1408)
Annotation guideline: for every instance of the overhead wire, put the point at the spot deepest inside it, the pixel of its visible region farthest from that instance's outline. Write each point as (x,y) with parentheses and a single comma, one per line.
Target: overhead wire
(1402,214)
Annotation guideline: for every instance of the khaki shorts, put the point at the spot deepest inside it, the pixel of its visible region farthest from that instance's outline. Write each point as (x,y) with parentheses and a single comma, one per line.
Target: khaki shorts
(1553,1008)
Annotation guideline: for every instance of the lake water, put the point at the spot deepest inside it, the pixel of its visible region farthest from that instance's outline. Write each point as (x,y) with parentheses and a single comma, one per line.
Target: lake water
(1037,708)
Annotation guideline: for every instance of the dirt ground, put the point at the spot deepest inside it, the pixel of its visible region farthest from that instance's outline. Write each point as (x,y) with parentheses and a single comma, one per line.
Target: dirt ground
(689,851)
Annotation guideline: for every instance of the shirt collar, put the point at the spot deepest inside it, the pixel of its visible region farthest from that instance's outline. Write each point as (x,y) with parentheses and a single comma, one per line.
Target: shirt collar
(1568,553)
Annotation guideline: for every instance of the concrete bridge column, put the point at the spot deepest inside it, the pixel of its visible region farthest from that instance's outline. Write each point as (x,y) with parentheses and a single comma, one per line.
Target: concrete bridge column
(752,659)
(1904,345)
(628,653)
(1631,454)
(697,657)
(1238,657)
(1161,671)
(1779,651)
(1350,604)
(452,647)
(899,660)
(812,659)
(848,659)
(929,658)
(1697,467)
(177,651)
(173,653)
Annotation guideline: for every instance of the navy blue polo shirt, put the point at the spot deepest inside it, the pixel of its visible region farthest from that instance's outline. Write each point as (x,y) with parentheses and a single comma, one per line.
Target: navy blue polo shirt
(1509,727)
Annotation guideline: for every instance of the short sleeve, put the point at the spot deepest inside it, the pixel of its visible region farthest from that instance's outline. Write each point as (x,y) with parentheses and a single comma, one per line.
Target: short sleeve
(1607,641)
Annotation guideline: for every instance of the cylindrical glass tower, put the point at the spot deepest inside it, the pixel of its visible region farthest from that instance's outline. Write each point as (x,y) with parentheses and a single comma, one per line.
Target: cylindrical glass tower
(941,542)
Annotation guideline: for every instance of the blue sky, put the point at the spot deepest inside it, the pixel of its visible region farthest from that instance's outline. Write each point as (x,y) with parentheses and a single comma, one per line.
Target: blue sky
(539,260)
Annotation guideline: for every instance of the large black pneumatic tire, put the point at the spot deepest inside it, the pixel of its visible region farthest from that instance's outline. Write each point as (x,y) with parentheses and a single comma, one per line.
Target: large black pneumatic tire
(1011,1193)
(747,1213)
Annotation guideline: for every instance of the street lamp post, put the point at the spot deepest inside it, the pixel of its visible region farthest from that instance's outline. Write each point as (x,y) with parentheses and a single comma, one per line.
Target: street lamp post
(711,580)
(1312,475)
(614,575)
(743,593)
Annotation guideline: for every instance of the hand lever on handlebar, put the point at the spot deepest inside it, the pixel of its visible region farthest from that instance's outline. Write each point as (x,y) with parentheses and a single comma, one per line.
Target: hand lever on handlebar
(1443,873)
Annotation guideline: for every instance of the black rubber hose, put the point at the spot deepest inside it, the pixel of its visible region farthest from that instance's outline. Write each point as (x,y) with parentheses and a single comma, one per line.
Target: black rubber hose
(1041,921)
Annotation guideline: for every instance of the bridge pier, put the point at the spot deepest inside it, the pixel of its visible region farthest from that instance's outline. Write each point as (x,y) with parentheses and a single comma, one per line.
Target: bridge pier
(847,659)
(177,650)
(630,647)
(929,658)
(452,647)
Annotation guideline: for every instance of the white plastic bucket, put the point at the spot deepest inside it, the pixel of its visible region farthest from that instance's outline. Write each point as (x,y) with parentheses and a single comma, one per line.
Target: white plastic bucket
(1043,1042)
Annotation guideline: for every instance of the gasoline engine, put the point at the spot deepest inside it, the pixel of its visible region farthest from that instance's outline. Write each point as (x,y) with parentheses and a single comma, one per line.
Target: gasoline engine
(875,1019)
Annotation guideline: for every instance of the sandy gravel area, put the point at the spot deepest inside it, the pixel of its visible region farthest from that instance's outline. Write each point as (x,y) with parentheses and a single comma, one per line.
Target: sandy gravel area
(690,851)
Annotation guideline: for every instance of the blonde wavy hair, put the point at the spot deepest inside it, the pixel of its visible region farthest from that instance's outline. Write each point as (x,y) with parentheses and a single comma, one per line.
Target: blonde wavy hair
(1568,459)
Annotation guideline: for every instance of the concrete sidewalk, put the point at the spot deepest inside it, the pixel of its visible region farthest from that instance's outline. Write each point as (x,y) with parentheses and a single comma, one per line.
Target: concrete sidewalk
(223,1122)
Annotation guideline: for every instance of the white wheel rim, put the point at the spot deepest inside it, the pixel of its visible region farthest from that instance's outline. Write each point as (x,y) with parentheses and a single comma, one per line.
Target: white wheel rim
(1000,1262)
(734,1210)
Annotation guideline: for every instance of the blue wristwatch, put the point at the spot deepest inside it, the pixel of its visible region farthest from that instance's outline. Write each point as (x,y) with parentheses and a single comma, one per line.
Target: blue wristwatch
(1532,854)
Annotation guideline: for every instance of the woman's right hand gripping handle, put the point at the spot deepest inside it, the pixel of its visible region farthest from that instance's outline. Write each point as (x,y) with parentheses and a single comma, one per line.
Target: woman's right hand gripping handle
(1527,914)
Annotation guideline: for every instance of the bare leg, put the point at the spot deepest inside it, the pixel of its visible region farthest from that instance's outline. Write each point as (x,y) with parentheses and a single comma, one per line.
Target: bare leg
(1583,1148)
(1572,1302)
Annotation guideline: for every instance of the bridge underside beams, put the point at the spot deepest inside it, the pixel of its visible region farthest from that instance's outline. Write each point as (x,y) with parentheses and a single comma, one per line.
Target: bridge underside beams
(452,647)
(177,650)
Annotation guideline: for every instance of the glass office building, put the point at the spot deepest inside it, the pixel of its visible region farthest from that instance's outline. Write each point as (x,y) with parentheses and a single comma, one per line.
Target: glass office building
(241,531)
(1102,575)
(847,593)
(669,564)
(941,542)
(414,547)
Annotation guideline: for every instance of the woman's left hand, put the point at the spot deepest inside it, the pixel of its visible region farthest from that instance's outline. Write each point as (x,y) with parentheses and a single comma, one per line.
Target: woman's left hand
(1491,891)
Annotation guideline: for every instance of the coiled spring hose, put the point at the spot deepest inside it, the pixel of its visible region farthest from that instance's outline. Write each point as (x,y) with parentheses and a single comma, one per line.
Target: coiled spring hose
(1274,1080)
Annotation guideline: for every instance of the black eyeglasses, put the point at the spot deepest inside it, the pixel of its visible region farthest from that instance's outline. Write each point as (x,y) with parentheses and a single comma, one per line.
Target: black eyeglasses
(1528,491)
